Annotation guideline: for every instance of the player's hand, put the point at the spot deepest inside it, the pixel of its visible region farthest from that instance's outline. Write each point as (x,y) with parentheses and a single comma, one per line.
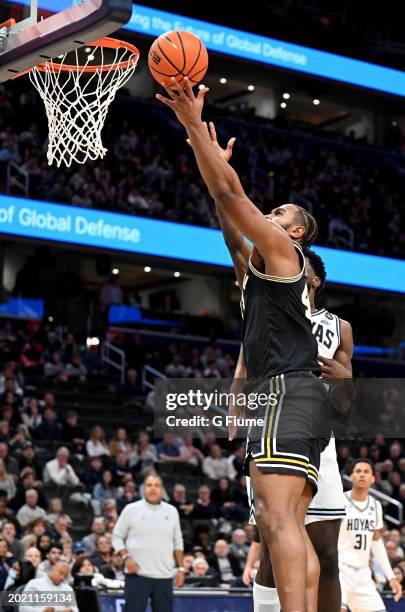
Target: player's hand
(183,102)
(246,575)
(332,369)
(396,589)
(131,566)
(179,579)
(226,154)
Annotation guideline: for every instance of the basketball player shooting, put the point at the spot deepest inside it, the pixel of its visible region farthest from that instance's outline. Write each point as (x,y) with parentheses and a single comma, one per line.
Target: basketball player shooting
(279,348)
(360,536)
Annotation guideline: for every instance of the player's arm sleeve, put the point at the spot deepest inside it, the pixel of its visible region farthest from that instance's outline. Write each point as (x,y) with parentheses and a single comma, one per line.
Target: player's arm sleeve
(380,555)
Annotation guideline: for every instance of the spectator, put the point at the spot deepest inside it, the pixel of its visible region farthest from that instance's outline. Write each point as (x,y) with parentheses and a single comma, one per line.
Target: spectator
(85,565)
(120,468)
(76,369)
(120,442)
(216,466)
(97,529)
(239,547)
(60,528)
(9,533)
(176,369)
(32,418)
(96,446)
(104,489)
(28,481)
(10,463)
(55,510)
(103,552)
(132,386)
(180,501)
(201,568)
(224,563)
(190,454)
(7,483)
(33,555)
(6,562)
(55,368)
(55,581)
(5,513)
(30,510)
(128,496)
(92,474)
(237,460)
(34,531)
(71,432)
(111,293)
(44,544)
(53,555)
(21,573)
(167,450)
(59,471)
(204,507)
(50,428)
(28,458)
(144,456)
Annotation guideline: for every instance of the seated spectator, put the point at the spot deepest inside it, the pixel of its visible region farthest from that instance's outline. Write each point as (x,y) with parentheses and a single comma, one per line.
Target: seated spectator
(22,572)
(6,562)
(31,355)
(34,531)
(31,417)
(30,510)
(120,467)
(167,450)
(7,483)
(92,474)
(55,368)
(28,458)
(56,580)
(144,455)
(224,563)
(224,498)
(392,552)
(96,446)
(58,471)
(105,489)
(109,512)
(33,555)
(27,481)
(190,454)
(76,369)
(103,553)
(10,463)
(50,428)
(5,513)
(60,529)
(97,529)
(237,460)
(71,432)
(180,501)
(85,565)
(200,567)
(128,496)
(205,508)
(9,533)
(132,386)
(120,442)
(216,466)
(52,556)
(55,510)
(176,369)
(117,566)
(239,546)
(44,543)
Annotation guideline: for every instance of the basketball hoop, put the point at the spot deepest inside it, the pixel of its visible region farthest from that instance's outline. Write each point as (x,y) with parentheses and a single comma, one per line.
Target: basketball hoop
(77,96)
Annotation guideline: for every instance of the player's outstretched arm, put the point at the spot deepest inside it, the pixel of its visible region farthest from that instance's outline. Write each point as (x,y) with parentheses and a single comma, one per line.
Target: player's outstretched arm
(224,185)
(237,245)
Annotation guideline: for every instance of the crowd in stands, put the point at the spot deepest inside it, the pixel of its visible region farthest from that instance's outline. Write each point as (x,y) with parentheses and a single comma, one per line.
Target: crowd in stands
(53,462)
(355,192)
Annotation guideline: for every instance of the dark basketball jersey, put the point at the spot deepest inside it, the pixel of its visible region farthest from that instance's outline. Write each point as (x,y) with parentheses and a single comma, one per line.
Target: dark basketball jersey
(276,329)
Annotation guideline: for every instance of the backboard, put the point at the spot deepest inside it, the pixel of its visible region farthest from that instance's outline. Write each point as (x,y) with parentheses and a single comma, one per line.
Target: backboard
(37,30)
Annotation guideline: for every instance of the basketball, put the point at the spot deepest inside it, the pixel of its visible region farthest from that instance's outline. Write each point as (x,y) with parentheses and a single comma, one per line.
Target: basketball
(178,54)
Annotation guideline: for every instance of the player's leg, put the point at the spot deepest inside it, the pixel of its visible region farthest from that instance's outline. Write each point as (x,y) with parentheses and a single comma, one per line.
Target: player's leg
(277,498)
(324,537)
(265,596)
(365,597)
(313,569)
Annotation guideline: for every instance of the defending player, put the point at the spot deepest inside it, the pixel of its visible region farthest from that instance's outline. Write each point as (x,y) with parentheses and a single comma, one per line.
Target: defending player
(279,349)
(360,535)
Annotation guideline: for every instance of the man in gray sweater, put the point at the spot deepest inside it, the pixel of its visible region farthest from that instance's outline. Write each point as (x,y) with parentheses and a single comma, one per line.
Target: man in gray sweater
(148,536)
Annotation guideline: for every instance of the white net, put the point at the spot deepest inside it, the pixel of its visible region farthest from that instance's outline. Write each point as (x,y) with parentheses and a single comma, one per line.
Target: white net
(77,101)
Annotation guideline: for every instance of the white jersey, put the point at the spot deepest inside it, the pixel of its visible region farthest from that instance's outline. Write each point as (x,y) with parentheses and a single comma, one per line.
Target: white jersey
(357,530)
(326,329)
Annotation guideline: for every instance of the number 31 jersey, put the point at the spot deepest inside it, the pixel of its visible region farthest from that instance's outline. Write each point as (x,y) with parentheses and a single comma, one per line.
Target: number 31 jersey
(357,530)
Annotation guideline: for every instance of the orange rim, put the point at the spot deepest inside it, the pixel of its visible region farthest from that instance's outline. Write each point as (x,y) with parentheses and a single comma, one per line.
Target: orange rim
(107,43)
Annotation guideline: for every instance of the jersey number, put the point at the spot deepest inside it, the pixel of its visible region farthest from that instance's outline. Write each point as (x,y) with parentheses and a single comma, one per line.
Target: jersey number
(305,301)
(361,542)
